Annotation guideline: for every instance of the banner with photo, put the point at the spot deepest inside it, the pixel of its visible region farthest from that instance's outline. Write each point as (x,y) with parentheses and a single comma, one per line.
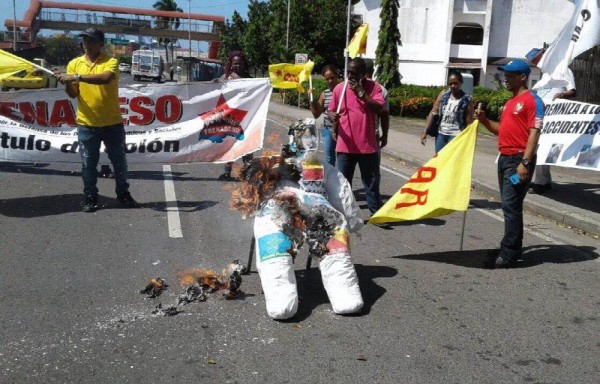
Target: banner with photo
(164,123)
(571,135)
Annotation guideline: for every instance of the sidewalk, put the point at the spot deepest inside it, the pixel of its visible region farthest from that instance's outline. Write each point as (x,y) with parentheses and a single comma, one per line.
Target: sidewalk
(574,199)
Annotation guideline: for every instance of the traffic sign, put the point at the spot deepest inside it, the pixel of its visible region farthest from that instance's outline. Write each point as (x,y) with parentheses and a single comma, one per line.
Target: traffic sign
(301,58)
(119,42)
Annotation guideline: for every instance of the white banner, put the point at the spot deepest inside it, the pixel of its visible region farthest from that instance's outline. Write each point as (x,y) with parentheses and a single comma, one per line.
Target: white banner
(581,33)
(571,135)
(164,123)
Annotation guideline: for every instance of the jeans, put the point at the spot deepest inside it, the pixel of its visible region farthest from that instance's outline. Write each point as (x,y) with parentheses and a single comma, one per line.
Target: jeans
(441,140)
(328,145)
(90,139)
(369,174)
(512,205)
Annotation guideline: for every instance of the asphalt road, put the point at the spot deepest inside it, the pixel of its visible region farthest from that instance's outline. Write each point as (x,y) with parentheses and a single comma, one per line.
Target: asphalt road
(71,311)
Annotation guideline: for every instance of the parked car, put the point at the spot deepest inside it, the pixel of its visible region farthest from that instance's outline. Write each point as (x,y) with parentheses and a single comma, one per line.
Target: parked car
(125,68)
(30,78)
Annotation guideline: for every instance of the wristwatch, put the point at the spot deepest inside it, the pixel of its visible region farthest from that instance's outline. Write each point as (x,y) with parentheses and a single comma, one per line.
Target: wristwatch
(525,162)
(361,94)
(77,77)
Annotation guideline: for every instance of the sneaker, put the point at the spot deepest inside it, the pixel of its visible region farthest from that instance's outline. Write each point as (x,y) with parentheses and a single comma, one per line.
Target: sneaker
(126,200)
(90,203)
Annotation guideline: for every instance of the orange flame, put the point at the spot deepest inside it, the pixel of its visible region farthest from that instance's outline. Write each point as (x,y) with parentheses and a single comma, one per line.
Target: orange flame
(202,276)
(259,180)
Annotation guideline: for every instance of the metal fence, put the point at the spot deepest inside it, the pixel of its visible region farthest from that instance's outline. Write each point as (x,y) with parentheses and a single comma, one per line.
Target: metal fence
(586,70)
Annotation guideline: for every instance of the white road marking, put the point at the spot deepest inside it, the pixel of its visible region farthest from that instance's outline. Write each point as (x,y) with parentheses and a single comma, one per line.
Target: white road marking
(171,200)
(491,214)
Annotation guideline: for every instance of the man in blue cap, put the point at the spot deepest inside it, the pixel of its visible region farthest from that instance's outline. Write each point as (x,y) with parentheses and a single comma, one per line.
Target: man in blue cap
(518,132)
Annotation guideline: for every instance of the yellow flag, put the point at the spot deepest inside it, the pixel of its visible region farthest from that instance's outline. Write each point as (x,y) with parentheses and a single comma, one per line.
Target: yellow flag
(10,63)
(440,187)
(358,44)
(290,76)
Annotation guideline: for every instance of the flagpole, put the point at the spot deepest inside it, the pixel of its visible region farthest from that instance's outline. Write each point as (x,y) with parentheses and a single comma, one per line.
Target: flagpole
(339,107)
(464,222)
(462,235)
(310,87)
(347,40)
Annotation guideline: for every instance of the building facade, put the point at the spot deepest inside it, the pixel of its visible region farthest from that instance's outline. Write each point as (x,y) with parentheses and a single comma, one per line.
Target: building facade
(472,36)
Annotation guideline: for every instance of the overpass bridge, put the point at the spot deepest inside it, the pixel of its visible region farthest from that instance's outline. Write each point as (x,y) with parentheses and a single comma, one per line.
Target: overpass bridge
(65,16)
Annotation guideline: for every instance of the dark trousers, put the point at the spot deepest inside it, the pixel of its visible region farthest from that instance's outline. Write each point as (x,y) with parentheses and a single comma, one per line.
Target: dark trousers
(512,205)
(90,139)
(369,174)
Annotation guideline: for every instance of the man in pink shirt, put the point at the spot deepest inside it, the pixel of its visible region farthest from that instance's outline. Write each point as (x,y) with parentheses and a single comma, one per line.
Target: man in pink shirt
(354,130)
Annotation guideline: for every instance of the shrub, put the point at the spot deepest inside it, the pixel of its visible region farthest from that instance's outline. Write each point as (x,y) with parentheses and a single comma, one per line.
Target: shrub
(416,106)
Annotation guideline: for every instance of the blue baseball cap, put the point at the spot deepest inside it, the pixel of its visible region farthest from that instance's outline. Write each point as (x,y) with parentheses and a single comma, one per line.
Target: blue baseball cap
(517,66)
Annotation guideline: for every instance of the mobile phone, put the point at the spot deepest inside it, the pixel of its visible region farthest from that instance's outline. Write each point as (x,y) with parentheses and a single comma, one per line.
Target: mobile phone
(514,179)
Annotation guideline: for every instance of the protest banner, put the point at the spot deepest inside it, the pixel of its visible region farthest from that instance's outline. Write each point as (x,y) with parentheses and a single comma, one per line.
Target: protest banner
(164,123)
(571,135)
(440,187)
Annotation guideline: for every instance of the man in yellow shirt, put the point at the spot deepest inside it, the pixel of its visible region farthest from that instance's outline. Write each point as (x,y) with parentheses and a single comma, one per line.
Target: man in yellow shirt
(94,80)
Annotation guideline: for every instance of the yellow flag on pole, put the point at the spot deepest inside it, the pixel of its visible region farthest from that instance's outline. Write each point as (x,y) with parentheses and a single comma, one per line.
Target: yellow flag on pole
(10,63)
(290,76)
(358,44)
(440,187)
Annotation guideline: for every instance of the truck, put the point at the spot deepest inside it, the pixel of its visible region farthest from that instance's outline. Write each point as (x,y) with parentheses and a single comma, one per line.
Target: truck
(147,64)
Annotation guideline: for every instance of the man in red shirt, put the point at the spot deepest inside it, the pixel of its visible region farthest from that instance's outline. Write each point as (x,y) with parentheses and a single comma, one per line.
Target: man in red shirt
(518,133)
(357,142)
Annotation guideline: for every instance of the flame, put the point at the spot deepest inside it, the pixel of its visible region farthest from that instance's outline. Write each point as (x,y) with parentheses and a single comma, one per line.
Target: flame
(259,180)
(204,277)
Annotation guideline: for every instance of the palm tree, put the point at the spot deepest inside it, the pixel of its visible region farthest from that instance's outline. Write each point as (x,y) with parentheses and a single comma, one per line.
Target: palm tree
(167,22)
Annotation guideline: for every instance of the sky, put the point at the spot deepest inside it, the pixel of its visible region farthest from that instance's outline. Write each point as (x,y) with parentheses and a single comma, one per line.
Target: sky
(223,8)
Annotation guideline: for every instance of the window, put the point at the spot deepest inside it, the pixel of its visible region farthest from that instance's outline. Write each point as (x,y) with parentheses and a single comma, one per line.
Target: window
(468,34)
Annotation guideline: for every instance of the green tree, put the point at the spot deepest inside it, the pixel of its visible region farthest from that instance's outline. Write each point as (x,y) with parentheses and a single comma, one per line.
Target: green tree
(317,27)
(167,22)
(60,49)
(232,35)
(257,30)
(386,55)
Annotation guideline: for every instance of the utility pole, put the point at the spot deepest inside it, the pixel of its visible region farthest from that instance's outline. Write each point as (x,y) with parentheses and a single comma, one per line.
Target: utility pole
(15,26)
(189,69)
(287,34)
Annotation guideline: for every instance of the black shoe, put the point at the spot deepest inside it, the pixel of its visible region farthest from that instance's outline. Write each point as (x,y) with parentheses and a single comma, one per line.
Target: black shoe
(502,263)
(126,200)
(490,258)
(105,171)
(540,189)
(90,203)
(226,176)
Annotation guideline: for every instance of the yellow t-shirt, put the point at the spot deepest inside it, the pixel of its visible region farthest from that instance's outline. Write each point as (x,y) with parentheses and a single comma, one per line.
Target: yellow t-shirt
(97,104)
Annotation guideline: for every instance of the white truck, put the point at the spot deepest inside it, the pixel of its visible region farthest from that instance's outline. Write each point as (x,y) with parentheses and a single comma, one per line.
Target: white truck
(147,64)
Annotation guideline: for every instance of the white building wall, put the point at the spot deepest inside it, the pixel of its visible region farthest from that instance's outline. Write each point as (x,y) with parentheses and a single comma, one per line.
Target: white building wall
(516,26)
(520,25)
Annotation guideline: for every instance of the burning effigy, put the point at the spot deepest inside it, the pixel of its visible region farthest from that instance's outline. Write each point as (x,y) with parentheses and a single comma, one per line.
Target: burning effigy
(296,199)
